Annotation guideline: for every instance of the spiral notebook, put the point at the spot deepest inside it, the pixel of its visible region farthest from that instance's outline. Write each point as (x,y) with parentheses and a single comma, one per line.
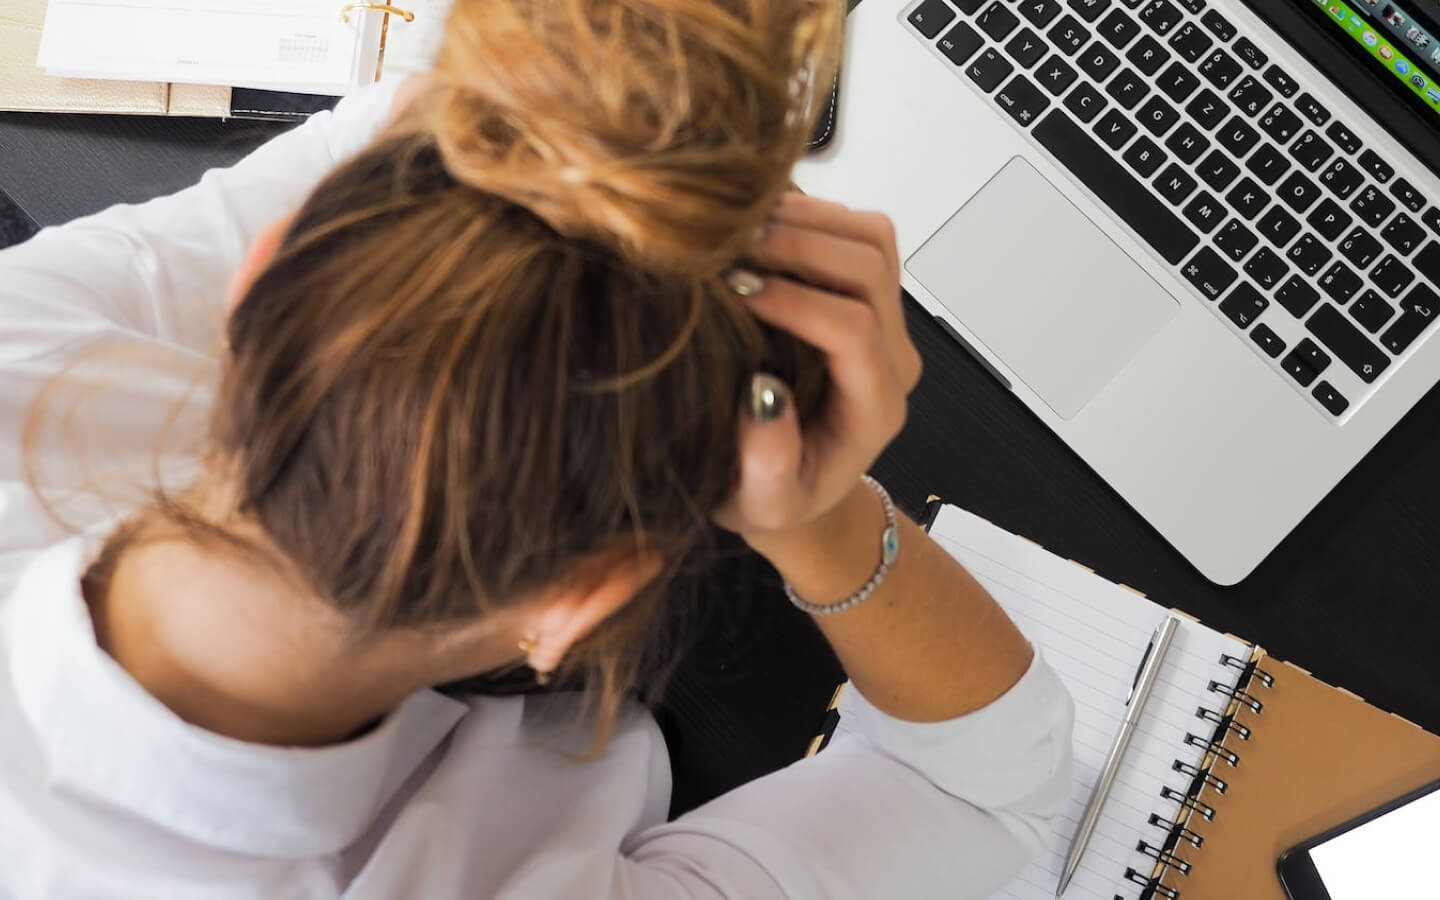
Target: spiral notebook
(1238,756)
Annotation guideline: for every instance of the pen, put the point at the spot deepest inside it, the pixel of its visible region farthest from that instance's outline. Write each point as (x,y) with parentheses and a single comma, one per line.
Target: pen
(1145,675)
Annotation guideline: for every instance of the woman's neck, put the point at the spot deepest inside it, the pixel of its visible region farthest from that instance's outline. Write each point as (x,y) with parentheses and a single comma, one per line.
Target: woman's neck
(244,653)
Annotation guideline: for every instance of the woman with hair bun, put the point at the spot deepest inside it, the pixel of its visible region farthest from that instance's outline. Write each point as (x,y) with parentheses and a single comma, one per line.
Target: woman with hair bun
(495,358)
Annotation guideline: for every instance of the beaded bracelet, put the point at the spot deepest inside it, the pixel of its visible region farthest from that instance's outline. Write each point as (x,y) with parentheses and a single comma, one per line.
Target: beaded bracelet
(889,550)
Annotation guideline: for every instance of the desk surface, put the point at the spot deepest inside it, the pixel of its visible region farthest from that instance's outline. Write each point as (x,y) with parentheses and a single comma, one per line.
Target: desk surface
(1353,594)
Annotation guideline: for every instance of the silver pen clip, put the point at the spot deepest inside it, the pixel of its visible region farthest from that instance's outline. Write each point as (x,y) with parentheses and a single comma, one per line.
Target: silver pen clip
(1149,649)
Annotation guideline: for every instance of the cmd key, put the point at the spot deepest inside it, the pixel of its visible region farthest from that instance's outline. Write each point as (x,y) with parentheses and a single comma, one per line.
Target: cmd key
(1129,199)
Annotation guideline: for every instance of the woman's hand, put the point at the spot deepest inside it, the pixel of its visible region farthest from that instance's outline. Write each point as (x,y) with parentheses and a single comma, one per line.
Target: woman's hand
(849,308)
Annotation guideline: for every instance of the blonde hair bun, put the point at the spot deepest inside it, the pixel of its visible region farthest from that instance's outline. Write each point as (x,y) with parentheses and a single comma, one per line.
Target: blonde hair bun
(665,129)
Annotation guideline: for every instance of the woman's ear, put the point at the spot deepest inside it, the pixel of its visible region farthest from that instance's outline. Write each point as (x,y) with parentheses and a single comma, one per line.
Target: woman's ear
(261,251)
(568,615)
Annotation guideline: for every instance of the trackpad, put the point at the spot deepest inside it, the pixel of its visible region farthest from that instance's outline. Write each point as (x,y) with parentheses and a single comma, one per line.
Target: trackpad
(1042,287)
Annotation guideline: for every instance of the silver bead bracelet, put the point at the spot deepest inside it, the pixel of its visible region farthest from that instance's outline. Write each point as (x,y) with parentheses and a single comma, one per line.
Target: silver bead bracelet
(889,550)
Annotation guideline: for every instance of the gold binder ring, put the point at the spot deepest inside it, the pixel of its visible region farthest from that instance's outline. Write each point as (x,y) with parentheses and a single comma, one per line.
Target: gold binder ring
(386,8)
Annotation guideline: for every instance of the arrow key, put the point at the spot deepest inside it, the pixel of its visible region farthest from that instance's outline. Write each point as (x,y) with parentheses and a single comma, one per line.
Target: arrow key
(1330,398)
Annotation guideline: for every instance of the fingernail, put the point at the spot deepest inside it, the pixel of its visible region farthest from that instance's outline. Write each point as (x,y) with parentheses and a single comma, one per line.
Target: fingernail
(744,282)
(767,398)
(758,235)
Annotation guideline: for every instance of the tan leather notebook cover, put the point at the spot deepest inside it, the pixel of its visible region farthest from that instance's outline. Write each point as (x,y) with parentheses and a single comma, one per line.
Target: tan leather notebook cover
(1317,757)
(26,88)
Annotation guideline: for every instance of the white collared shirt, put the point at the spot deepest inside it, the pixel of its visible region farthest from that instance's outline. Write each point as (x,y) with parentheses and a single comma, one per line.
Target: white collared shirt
(105,793)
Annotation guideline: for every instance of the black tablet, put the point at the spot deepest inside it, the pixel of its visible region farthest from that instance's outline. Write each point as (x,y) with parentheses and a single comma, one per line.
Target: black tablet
(1388,852)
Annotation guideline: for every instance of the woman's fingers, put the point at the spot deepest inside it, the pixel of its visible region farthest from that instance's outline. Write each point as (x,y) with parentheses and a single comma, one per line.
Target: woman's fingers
(821,259)
(771,493)
(804,211)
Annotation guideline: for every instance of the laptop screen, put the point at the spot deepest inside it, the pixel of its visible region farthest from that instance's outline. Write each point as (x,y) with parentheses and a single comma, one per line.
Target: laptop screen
(1398,39)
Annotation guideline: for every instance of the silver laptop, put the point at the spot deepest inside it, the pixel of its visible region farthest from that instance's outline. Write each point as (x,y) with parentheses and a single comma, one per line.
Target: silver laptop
(1209,269)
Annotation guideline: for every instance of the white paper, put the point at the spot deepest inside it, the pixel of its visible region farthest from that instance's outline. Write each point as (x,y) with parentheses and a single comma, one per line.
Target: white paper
(1094,633)
(410,47)
(301,45)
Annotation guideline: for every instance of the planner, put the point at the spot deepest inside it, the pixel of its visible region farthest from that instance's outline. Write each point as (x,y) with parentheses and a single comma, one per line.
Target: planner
(1238,756)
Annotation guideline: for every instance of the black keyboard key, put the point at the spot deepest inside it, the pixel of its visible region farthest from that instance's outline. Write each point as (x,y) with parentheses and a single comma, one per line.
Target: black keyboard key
(1191,42)
(1244,305)
(1174,184)
(1119,29)
(1235,240)
(1248,198)
(1391,276)
(1371,310)
(1114,129)
(1331,399)
(1188,143)
(1144,157)
(1069,35)
(1085,102)
(1268,341)
(1378,168)
(1039,12)
(1296,296)
(1177,82)
(1348,343)
(1404,234)
(1218,25)
(997,21)
(1026,48)
(1311,109)
(1281,81)
(1417,312)
(989,69)
(1298,192)
(1281,124)
(1268,164)
(1129,199)
(1267,268)
(1210,274)
(1277,226)
(1428,262)
(1250,96)
(1299,363)
(1055,74)
(1127,88)
(1089,10)
(1098,61)
(1340,283)
(1148,55)
(1237,136)
(1407,194)
(960,43)
(931,16)
(1431,218)
(1361,248)
(1309,254)
(1195,6)
(1341,178)
(1157,116)
(1022,100)
(1311,151)
(1372,206)
(1162,16)
(1207,109)
(1343,137)
(1204,212)
(1329,218)
(969,7)
(1250,54)
(1220,68)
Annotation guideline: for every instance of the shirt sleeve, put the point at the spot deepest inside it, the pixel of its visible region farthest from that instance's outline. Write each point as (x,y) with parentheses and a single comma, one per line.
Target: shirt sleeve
(948,810)
(127,304)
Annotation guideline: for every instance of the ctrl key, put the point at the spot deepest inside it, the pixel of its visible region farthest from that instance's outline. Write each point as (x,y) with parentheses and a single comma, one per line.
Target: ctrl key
(1330,398)
(1022,100)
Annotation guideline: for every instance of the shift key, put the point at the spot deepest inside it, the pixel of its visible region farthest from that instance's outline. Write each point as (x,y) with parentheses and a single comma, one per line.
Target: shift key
(1347,342)
(1129,199)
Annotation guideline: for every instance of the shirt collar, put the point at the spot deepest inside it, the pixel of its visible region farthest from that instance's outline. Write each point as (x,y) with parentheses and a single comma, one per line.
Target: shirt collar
(105,739)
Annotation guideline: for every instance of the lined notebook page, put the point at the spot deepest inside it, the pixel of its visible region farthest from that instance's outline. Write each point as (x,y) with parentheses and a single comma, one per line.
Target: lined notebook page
(1094,633)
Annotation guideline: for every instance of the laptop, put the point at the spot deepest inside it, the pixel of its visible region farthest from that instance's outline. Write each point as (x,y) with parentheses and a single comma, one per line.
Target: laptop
(1209,264)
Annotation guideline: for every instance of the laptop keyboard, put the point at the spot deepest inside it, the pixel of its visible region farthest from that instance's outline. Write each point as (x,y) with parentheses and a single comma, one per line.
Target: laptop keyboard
(1302,238)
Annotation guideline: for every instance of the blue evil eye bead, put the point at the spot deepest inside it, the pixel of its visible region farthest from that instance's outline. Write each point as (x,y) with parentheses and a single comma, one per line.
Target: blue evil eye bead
(890,544)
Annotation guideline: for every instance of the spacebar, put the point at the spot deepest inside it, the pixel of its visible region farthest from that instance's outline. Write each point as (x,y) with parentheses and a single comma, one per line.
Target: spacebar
(1112,183)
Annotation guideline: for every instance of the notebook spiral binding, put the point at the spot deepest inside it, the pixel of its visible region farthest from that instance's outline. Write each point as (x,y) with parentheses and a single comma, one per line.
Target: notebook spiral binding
(1167,851)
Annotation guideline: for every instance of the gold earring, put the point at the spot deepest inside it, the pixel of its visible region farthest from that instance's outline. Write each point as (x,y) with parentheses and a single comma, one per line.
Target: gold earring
(528,644)
(542,678)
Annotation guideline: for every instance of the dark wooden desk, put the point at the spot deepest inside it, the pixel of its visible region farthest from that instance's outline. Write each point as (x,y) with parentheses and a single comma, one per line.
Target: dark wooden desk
(1353,594)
